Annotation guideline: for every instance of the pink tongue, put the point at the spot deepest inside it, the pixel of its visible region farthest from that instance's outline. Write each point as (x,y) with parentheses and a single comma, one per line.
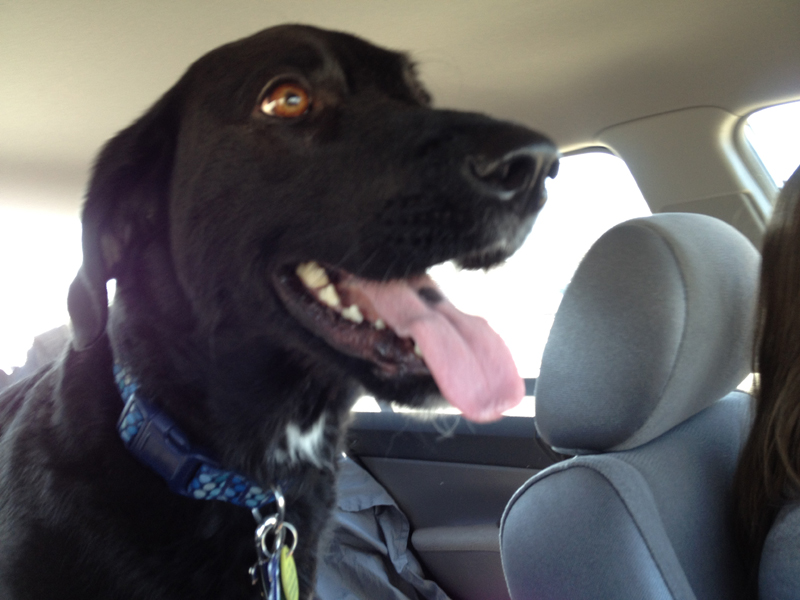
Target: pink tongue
(470,363)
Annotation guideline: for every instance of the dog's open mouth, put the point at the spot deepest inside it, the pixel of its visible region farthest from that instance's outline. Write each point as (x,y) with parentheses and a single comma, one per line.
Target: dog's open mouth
(406,327)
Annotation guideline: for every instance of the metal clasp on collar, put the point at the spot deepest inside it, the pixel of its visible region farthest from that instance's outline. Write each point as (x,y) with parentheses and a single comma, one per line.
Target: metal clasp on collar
(275,568)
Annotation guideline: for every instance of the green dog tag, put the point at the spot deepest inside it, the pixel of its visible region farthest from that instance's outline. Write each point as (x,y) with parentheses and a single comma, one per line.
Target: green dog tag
(291,589)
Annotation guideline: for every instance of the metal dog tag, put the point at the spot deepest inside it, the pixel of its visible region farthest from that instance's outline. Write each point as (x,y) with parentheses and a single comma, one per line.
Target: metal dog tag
(275,568)
(274,573)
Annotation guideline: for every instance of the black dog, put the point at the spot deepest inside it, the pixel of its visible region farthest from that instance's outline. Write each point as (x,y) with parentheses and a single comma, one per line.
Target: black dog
(269,223)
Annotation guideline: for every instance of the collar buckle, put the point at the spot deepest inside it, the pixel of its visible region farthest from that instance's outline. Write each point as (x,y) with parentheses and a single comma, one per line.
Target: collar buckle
(154,438)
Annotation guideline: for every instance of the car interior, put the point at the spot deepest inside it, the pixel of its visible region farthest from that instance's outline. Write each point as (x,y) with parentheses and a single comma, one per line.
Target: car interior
(609,481)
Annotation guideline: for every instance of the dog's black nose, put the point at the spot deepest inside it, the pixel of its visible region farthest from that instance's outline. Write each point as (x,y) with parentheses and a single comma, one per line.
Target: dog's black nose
(517,171)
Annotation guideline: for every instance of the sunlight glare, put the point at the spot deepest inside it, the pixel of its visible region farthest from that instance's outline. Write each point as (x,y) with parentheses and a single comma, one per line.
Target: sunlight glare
(41,253)
(520,298)
(774,133)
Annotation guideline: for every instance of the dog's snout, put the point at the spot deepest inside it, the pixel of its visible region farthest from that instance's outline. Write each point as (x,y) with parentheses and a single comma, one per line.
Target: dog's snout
(517,171)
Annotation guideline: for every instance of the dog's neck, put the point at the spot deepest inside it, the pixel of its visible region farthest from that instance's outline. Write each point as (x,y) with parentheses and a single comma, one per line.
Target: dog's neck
(228,402)
(158,442)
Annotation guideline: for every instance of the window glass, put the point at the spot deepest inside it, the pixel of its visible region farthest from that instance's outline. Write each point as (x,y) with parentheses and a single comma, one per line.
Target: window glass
(774,134)
(40,253)
(593,192)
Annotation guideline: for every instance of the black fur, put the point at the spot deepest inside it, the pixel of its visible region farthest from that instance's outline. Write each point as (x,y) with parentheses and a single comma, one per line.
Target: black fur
(195,209)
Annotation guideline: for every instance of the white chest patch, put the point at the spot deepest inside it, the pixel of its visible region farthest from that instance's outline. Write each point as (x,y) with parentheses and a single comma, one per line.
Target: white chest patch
(305,445)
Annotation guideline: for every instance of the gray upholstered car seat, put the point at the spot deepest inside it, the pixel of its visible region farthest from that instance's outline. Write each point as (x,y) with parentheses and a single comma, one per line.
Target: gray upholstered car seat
(653,334)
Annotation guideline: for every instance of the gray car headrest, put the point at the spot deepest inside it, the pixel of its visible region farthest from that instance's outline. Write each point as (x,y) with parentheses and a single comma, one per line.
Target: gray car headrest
(655,326)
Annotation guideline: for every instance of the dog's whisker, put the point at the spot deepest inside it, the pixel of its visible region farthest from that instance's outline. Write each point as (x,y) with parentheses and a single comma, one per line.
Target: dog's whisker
(350,252)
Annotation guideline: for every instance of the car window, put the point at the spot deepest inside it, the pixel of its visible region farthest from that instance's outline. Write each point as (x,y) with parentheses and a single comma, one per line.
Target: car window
(773,133)
(40,253)
(592,192)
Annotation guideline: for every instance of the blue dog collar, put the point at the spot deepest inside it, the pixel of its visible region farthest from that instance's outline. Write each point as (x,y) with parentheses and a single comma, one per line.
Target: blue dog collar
(156,440)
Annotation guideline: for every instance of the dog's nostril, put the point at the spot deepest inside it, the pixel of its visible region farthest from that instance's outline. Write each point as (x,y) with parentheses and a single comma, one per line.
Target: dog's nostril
(507,175)
(553,170)
(518,171)
(501,174)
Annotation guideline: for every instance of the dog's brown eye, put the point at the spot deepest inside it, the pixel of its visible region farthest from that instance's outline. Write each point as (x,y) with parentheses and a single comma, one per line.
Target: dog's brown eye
(287,100)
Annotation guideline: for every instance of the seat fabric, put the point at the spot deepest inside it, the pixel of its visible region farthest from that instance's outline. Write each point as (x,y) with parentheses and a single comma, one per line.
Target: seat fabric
(652,336)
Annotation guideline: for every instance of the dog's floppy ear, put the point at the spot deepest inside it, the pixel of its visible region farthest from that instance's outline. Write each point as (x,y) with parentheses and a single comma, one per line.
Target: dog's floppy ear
(127,193)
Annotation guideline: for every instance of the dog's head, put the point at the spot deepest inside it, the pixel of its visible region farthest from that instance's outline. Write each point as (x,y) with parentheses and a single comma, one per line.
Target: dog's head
(279,181)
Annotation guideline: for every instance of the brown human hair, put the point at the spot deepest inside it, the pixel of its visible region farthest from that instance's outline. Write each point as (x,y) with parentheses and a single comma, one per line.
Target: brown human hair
(768,474)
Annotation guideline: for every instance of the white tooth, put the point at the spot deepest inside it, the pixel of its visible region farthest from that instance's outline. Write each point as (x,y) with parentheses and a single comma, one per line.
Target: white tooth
(312,275)
(329,296)
(352,313)
(417,350)
(379,324)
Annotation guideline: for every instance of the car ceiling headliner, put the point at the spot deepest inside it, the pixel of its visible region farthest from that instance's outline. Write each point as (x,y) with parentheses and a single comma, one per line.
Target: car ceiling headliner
(74,72)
